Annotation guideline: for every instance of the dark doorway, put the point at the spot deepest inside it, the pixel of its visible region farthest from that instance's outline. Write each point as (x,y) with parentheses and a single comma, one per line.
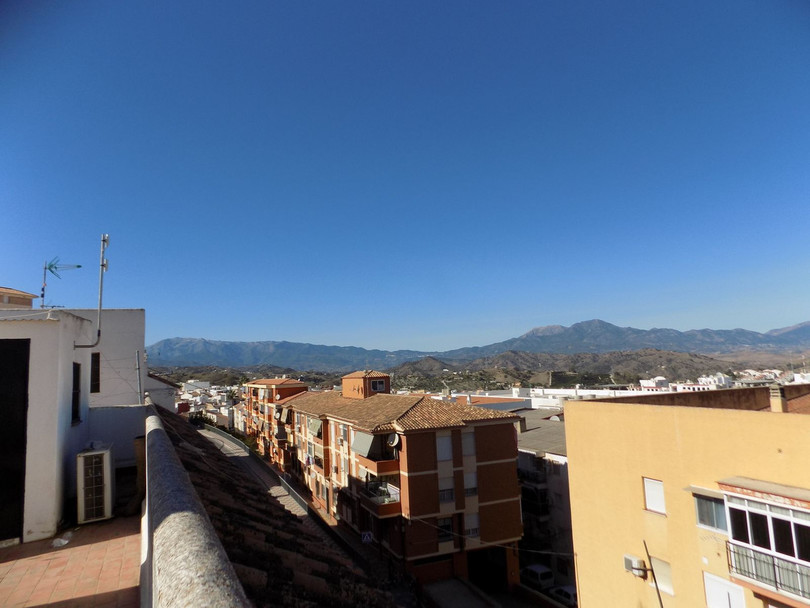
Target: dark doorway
(487,569)
(14,411)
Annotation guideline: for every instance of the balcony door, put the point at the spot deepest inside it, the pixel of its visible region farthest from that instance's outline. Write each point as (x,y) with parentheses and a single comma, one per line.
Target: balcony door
(721,593)
(13,432)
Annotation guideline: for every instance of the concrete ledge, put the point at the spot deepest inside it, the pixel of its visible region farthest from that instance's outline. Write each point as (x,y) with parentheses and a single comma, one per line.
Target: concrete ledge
(185,558)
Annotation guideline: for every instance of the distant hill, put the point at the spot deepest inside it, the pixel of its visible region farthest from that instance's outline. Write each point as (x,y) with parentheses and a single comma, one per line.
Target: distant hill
(587,337)
(621,365)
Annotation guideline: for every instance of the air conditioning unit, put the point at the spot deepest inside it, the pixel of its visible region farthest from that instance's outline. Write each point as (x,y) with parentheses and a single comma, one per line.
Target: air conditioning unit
(94,485)
(635,565)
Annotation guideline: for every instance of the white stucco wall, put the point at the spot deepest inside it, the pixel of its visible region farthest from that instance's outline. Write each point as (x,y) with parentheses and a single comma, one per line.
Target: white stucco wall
(162,394)
(122,335)
(53,438)
(51,433)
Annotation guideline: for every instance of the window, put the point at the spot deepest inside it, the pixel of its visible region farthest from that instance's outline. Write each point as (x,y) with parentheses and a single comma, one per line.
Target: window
(378,386)
(770,527)
(711,512)
(654,496)
(445,525)
(663,575)
(444,447)
(470,484)
(468,444)
(446,490)
(95,372)
(471,524)
(75,402)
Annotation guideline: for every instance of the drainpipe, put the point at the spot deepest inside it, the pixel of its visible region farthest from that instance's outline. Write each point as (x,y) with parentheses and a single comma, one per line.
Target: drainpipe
(105,241)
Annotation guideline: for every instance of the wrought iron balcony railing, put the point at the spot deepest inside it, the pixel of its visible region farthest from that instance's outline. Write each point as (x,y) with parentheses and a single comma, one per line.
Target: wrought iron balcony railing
(777,573)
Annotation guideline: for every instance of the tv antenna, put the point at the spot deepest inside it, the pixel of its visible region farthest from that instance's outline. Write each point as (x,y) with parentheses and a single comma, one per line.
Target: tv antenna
(53,267)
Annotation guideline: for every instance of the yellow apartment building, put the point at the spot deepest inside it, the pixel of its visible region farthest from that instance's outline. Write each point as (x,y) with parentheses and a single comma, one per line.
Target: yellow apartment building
(692,499)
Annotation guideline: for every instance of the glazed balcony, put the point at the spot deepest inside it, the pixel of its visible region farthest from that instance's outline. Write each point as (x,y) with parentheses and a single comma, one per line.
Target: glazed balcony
(769,571)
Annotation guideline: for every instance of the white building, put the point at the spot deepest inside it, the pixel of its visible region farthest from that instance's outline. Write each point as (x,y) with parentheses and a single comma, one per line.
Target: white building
(64,391)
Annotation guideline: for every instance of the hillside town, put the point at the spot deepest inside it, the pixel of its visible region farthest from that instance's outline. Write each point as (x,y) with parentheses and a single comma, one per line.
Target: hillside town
(359,494)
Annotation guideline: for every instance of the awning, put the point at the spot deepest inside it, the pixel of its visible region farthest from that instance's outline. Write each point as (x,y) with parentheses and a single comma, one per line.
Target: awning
(701,491)
(315,426)
(362,443)
(318,451)
(285,411)
(767,490)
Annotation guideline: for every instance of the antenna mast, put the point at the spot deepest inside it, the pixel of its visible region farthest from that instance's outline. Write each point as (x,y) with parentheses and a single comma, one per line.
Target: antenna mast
(105,241)
(53,267)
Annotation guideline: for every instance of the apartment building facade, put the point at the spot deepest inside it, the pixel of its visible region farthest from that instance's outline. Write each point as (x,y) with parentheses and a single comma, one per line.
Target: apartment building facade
(692,499)
(432,482)
(258,407)
(543,474)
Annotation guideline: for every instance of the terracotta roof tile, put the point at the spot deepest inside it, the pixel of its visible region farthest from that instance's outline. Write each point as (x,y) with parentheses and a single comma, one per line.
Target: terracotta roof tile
(382,412)
(279,561)
(368,373)
(275,382)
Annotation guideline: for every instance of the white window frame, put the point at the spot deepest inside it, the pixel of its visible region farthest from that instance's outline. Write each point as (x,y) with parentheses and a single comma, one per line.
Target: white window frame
(716,502)
(654,500)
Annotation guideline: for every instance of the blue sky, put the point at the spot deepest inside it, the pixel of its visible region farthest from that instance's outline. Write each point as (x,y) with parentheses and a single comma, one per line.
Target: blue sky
(410,174)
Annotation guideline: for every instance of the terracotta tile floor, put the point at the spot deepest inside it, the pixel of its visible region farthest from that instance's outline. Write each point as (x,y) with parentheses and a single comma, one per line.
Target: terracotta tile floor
(100,566)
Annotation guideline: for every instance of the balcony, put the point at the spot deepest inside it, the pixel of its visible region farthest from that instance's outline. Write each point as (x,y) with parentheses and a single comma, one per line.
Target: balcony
(379,467)
(381,498)
(536,477)
(769,571)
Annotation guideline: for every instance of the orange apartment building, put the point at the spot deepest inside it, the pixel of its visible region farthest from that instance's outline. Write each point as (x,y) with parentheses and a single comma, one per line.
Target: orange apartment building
(259,405)
(433,482)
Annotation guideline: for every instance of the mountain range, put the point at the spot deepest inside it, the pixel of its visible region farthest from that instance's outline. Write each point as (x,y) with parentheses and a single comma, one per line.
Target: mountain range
(593,336)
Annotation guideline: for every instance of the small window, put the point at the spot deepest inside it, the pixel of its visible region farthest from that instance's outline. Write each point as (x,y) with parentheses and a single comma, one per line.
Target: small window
(378,386)
(468,444)
(470,484)
(75,403)
(446,490)
(663,575)
(471,525)
(654,496)
(95,372)
(445,525)
(739,525)
(711,512)
(444,447)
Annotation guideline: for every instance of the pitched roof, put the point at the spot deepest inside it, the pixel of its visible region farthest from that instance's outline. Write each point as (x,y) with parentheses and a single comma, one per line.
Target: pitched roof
(278,559)
(276,382)
(383,412)
(8,291)
(366,373)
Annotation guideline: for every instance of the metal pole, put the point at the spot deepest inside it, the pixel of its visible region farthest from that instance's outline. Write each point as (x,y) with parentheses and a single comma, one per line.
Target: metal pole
(138,368)
(652,571)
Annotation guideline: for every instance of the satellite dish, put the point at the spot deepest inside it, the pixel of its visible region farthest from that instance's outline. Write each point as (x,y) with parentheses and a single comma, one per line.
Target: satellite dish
(393,440)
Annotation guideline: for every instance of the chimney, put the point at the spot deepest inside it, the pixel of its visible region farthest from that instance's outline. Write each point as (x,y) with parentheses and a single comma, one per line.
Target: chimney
(778,401)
